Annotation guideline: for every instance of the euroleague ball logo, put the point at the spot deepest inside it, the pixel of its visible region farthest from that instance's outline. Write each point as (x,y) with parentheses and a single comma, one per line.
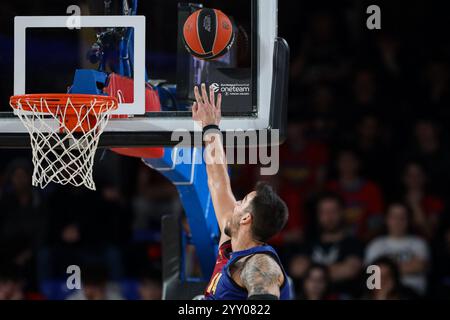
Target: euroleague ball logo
(225,25)
(207,23)
(215,87)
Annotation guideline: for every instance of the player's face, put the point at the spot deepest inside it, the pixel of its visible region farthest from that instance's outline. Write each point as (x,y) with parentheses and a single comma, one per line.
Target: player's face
(241,209)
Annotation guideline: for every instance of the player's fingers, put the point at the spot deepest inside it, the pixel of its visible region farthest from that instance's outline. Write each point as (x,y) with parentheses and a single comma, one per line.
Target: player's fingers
(219,102)
(198,97)
(195,108)
(212,98)
(204,94)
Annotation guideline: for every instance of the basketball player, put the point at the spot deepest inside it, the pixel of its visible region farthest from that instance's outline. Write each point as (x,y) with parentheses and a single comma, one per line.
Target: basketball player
(246,268)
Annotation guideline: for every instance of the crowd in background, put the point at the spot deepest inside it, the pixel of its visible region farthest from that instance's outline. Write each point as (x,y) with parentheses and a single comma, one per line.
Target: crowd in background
(364,171)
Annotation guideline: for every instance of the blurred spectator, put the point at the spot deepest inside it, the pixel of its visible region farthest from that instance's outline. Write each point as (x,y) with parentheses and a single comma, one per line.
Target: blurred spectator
(95,286)
(11,283)
(302,171)
(22,218)
(391,287)
(438,80)
(21,214)
(364,97)
(321,55)
(365,93)
(150,287)
(389,56)
(363,199)
(426,208)
(155,196)
(409,251)
(435,90)
(316,285)
(332,247)
(395,70)
(84,228)
(323,112)
(368,140)
(429,151)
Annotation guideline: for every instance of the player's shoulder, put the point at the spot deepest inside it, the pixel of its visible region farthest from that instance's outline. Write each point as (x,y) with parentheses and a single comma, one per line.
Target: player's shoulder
(264,263)
(261,273)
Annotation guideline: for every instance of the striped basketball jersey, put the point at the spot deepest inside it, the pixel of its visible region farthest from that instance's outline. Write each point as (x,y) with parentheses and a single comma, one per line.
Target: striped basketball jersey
(223,287)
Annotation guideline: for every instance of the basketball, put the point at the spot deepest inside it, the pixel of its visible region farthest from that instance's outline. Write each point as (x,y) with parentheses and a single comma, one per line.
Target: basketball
(208,34)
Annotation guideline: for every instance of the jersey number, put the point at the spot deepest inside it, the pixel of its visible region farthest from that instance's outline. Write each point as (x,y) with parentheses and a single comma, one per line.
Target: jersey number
(213,285)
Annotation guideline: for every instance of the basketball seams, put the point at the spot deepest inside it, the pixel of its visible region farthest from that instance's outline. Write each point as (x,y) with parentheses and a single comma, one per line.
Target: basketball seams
(208,30)
(191,41)
(217,31)
(226,42)
(198,31)
(225,50)
(230,38)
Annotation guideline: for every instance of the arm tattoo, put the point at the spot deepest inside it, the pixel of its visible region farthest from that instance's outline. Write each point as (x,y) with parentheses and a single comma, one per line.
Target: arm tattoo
(261,275)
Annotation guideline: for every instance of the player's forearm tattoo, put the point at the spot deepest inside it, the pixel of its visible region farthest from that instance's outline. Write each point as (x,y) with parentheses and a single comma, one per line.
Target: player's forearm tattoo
(261,275)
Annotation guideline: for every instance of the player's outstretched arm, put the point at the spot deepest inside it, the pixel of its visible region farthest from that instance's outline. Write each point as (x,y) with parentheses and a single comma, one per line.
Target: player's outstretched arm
(207,111)
(262,277)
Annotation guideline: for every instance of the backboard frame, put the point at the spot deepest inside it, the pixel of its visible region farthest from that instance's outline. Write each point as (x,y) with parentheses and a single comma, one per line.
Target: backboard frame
(156,130)
(22,23)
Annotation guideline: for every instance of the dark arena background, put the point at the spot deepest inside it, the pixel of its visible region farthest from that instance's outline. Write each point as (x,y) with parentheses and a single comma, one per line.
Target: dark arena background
(365,170)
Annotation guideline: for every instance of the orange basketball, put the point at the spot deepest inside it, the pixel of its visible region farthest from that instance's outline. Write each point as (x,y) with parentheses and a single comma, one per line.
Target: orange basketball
(208,34)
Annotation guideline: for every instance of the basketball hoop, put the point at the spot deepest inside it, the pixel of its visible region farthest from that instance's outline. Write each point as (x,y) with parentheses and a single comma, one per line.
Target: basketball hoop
(64,130)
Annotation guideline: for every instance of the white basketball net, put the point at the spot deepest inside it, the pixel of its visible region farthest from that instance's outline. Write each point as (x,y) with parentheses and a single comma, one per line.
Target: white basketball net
(60,154)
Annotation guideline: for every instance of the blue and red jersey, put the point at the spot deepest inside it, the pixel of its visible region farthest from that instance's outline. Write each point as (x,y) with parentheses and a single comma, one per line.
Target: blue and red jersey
(223,287)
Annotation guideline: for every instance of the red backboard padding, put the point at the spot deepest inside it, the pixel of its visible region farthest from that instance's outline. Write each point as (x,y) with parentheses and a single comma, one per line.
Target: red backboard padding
(122,88)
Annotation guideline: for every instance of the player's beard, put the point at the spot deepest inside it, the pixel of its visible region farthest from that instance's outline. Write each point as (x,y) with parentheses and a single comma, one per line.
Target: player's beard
(227,230)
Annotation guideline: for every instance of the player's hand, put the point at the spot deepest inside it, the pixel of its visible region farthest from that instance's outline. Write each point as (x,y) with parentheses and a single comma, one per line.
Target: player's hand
(207,110)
